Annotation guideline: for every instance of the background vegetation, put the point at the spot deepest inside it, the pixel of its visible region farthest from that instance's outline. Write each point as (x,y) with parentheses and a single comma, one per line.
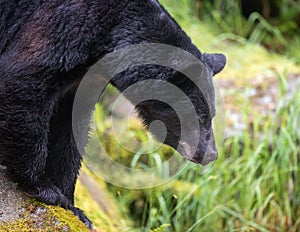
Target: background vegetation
(255,183)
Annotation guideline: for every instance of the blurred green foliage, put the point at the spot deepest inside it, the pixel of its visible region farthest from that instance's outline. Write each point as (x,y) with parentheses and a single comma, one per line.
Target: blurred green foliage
(278,34)
(254,186)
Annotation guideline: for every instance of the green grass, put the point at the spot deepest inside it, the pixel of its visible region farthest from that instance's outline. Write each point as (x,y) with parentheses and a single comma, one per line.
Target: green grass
(239,39)
(254,185)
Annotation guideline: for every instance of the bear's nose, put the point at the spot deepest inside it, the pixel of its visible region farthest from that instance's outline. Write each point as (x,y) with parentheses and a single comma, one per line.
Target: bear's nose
(209,157)
(211,152)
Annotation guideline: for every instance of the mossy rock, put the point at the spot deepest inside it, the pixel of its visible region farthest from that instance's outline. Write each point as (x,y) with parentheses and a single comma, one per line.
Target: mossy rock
(19,212)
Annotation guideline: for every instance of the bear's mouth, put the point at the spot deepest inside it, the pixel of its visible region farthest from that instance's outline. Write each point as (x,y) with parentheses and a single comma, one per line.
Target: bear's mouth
(204,160)
(189,153)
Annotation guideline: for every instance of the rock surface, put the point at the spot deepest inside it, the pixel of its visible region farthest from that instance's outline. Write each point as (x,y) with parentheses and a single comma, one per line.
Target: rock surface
(19,212)
(10,199)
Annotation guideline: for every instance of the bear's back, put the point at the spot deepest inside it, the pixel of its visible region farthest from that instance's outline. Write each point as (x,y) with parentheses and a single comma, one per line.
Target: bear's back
(13,15)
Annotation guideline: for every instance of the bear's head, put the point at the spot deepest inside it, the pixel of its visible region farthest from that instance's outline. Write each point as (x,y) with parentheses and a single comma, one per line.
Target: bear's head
(185,106)
(187,117)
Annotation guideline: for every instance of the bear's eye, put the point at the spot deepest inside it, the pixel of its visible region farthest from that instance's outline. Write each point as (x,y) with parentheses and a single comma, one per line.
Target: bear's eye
(202,118)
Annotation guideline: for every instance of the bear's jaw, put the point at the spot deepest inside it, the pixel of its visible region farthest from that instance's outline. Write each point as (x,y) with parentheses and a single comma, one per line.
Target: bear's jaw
(191,154)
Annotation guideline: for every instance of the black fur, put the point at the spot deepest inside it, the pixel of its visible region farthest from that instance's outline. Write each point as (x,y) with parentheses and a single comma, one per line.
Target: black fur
(46,48)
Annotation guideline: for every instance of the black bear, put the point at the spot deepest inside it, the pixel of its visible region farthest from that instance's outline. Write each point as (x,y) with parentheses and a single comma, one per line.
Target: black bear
(46,47)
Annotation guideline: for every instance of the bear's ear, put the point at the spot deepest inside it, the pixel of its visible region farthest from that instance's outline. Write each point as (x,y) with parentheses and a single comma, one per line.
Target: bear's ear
(215,61)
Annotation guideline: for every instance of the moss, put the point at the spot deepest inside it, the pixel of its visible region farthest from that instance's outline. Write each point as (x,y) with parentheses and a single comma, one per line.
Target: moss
(40,217)
(66,218)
